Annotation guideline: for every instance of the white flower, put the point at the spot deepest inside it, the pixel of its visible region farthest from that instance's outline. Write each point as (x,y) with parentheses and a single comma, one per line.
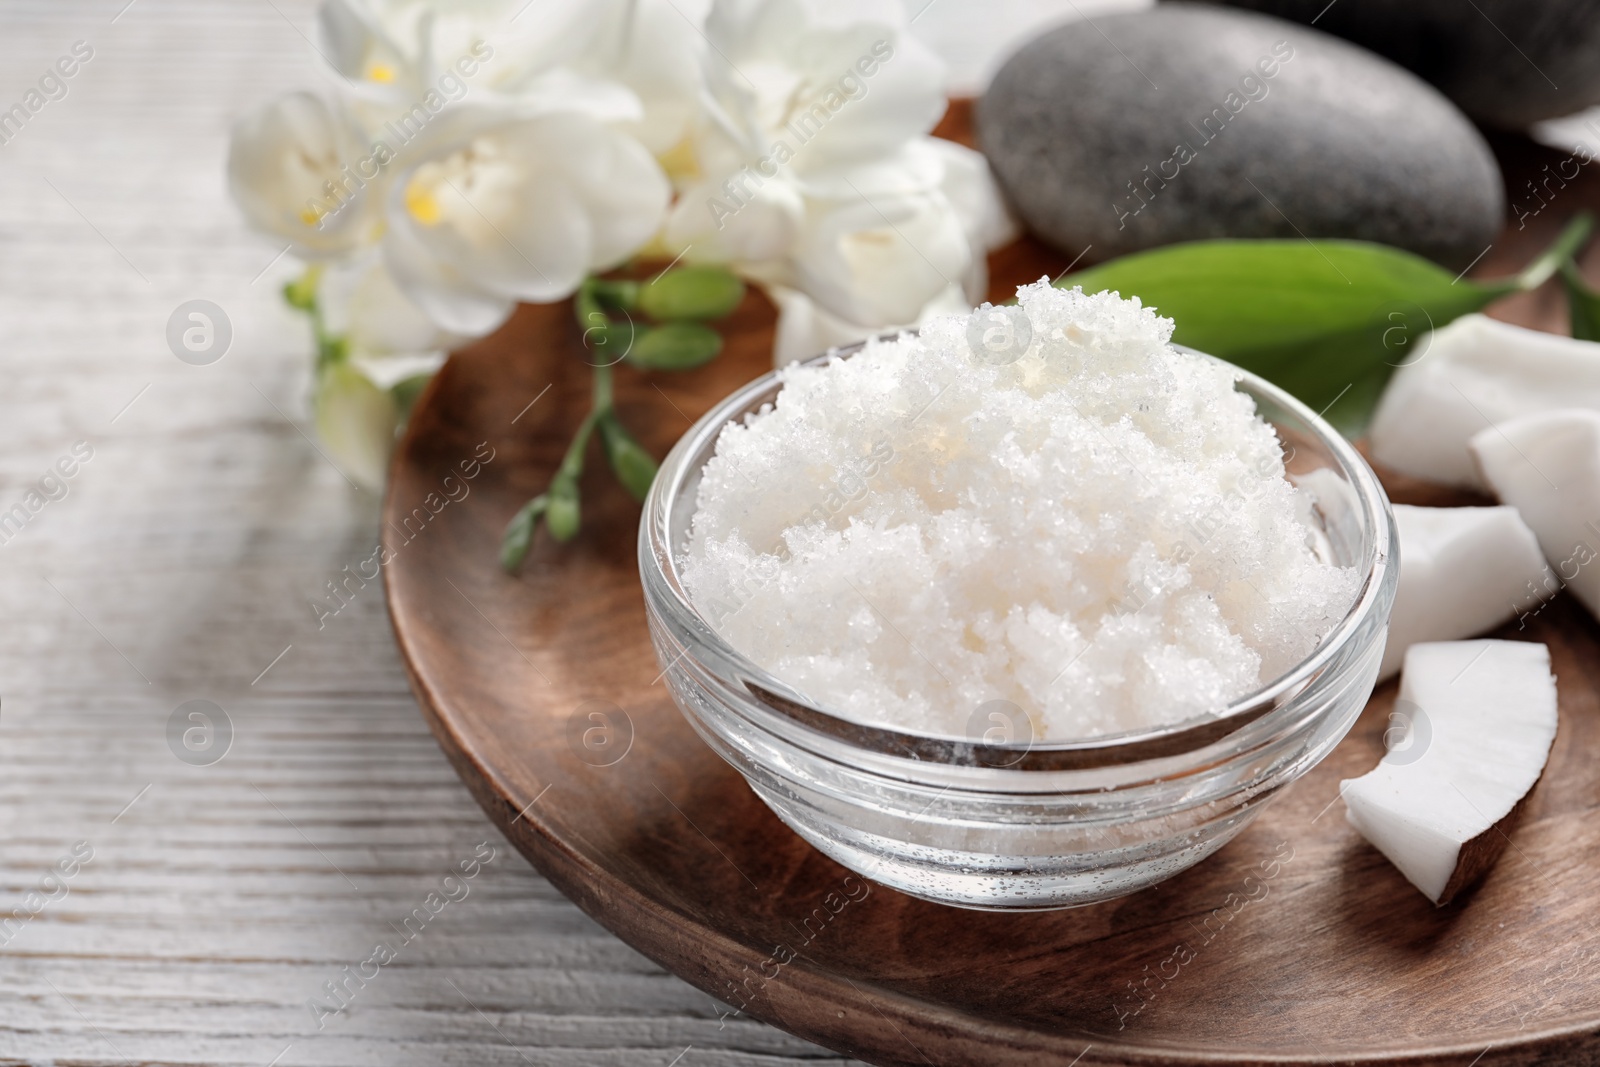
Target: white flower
(879,247)
(838,84)
(498,206)
(388,337)
(654,48)
(387,341)
(289,171)
(806,328)
(890,254)
(356,421)
(879,259)
(969,185)
(817,180)
(634,59)
(389,49)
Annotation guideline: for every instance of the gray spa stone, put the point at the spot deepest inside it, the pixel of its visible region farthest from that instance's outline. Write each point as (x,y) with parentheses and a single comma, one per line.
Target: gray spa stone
(1507,63)
(1186,121)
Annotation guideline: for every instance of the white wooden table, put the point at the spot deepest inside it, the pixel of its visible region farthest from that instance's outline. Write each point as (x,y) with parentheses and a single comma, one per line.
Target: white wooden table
(181,565)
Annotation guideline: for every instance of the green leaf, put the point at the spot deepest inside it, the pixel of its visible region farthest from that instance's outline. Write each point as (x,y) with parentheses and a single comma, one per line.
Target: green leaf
(562,514)
(518,537)
(1327,320)
(1318,318)
(1583,304)
(675,346)
(691,293)
(634,466)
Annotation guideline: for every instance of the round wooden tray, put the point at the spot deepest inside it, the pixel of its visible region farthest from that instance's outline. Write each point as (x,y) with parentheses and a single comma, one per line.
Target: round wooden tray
(1327,955)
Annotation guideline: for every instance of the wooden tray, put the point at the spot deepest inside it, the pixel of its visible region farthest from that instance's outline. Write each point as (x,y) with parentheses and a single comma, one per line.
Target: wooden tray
(1333,958)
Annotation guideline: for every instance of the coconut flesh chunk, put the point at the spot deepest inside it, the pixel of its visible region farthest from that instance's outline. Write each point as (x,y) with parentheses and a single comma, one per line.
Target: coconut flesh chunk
(1473,727)
(1475,372)
(1462,571)
(1547,466)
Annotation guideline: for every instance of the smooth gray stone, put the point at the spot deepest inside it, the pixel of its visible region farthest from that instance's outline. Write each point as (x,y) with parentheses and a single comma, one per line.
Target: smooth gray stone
(1120,134)
(1507,63)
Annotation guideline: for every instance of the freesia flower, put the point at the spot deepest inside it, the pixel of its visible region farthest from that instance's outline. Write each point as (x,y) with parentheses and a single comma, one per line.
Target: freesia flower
(654,49)
(395,50)
(817,178)
(387,336)
(285,161)
(486,152)
(495,206)
(379,348)
(403,58)
(840,85)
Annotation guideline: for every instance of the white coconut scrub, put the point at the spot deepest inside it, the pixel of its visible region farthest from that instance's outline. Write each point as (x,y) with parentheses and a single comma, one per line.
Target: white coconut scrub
(1099,531)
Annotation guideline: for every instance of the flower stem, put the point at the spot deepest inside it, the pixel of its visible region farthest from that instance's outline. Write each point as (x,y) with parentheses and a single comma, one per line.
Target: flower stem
(572,462)
(599,407)
(1565,247)
(302,295)
(680,299)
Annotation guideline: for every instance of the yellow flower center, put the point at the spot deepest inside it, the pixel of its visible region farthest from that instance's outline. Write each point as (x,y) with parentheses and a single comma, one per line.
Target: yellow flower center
(380,72)
(422,204)
(680,162)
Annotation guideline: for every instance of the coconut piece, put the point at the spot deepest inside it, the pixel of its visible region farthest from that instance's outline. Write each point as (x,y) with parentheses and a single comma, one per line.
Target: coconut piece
(1476,720)
(1547,466)
(1462,571)
(1470,374)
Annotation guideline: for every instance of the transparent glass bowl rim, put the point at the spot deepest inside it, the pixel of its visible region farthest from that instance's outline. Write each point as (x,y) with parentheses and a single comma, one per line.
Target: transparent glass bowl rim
(657,553)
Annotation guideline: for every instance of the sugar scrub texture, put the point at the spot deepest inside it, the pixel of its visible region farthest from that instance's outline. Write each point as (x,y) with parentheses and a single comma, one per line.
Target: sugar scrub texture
(1100,532)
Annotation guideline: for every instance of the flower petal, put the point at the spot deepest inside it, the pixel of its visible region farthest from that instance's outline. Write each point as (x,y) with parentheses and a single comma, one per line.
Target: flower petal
(798,70)
(970,186)
(284,159)
(879,262)
(721,228)
(623,189)
(356,422)
(806,328)
(362,303)
(446,295)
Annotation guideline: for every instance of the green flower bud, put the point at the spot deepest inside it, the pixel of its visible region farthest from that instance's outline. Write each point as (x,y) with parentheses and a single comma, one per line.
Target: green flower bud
(331,350)
(519,533)
(302,292)
(634,467)
(675,346)
(691,293)
(561,515)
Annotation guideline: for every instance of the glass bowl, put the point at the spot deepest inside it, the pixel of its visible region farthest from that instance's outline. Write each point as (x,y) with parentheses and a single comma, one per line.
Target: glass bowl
(981,822)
